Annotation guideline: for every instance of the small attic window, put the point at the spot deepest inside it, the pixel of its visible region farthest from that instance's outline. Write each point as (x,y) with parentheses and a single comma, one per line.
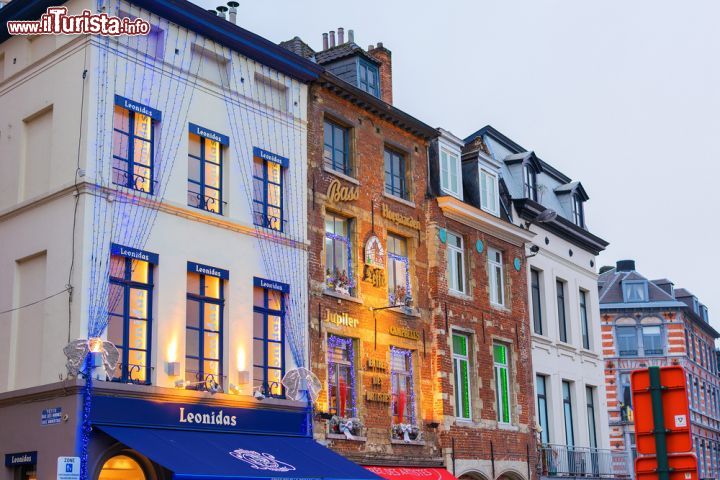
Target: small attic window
(635,291)
(368,77)
(530,182)
(578,211)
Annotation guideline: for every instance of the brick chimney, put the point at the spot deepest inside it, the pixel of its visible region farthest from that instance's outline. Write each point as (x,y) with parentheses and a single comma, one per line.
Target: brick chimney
(384,56)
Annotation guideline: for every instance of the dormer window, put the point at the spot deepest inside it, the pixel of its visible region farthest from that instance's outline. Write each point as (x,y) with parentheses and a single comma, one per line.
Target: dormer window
(530,182)
(368,78)
(489,191)
(578,213)
(450,172)
(635,291)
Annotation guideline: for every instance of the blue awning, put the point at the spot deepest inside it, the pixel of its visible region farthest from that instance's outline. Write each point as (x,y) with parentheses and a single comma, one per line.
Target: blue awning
(198,455)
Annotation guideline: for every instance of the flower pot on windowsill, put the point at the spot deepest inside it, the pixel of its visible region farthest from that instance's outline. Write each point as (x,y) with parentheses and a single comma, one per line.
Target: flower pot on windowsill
(339,282)
(406,432)
(350,427)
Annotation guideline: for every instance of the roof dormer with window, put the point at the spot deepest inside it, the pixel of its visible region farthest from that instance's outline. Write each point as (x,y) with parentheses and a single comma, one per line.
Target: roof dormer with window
(446,165)
(481,179)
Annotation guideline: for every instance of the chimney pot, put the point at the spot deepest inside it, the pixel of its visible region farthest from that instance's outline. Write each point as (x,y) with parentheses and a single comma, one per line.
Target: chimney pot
(332,38)
(371,47)
(341,35)
(221,10)
(233,11)
(351,36)
(325,41)
(625,265)
(379,45)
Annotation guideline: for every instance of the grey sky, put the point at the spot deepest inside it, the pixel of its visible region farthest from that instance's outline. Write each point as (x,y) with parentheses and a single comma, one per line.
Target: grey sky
(619,95)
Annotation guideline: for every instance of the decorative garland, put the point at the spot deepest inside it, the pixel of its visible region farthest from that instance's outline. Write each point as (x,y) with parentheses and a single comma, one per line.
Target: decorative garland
(341,342)
(393,295)
(395,352)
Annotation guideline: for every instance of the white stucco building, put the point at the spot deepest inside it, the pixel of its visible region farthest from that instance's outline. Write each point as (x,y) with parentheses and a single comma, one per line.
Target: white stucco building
(564,312)
(153,194)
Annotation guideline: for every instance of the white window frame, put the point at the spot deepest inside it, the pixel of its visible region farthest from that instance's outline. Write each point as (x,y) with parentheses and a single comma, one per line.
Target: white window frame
(493,267)
(484,194)
(457,360)
(455,260)
(446,171)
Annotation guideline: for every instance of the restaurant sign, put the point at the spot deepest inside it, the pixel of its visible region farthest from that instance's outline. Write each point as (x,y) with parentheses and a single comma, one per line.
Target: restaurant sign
(341,319)
(405,332)
(400,219)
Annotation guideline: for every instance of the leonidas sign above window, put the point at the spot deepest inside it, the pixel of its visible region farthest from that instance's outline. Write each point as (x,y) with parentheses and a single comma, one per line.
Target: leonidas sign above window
(134,253)
(136,107)
(207,270)
(204,132)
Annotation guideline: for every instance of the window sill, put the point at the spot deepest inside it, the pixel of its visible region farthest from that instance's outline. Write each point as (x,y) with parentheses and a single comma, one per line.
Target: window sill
(542,339)
(341,296)
(500,307)
(460,295)
(341,175)
(397,441)
(567,347)
(588,353)
(457,195)
(410,312)
(508,426)
(340,436)
(398,199)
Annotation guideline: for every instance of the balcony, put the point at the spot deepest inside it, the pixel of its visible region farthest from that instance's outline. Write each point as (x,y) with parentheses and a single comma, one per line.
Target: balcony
(562,461)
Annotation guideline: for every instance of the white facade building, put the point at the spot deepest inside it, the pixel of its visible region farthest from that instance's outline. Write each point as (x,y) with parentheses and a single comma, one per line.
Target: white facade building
(564,311)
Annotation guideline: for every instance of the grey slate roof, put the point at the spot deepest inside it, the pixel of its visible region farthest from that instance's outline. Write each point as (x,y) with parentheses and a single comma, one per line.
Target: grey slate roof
(341,51)
(298,47)
(610,284)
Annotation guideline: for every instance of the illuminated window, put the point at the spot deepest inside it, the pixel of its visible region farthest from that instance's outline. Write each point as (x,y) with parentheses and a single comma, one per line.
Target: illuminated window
(398,270)
(130,320)
(133,137)
(338,255)
(461,368)
(205,174)
(121,466)
(502,382)
(268,194)
(403,394)
(204,331)
(341,376)
(268,341)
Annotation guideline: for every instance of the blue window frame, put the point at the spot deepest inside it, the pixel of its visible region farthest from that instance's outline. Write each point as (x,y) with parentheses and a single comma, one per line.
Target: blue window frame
(268,341)
(133,150)
(204,331)
(368,77)
(130,318)
(205,176)
(336,152)
(395,174)
(268,194)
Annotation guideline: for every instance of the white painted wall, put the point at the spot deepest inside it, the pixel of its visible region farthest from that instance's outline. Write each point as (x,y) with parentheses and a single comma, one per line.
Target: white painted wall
(179,233)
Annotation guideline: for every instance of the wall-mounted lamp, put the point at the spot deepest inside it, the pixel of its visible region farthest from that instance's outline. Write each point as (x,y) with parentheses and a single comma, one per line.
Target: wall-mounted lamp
(243,377)
(172,368)
(180,384)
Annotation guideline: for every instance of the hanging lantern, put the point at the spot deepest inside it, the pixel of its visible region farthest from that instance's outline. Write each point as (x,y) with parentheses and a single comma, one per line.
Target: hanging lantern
(343,396)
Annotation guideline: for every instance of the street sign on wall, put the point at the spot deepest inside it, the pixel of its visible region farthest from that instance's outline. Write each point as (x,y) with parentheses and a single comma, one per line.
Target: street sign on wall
(675,410)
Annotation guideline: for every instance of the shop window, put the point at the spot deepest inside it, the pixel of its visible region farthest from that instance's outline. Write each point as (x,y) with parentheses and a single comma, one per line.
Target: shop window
(121,467)
(268,341)
(399,290)
(403,393)
(130,320)
(339,275)
(204,332)
(502,382)
(205,174)
(268,194)
(341,377)
(461,368)
(133,149)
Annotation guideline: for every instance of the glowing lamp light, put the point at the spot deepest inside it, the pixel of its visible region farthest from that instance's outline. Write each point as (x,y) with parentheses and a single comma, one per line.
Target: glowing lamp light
(172,351)
(95,345)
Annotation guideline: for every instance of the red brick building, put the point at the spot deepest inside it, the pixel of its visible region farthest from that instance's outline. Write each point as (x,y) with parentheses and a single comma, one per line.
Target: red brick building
(478,292)
(416,372)
(651,323)
(368,250)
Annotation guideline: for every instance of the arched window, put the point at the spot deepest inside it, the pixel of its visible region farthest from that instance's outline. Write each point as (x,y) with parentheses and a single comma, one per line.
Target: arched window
(122,467)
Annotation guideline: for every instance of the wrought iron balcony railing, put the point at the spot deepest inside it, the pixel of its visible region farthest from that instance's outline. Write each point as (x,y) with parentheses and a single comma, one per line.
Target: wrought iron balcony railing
(590,463)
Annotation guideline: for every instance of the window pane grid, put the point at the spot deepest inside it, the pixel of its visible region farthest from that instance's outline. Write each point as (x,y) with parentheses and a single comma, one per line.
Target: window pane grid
(205,175)
(269,342)
(336,147)
(268,195)
(395,174)
(203,331)
(133,147)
